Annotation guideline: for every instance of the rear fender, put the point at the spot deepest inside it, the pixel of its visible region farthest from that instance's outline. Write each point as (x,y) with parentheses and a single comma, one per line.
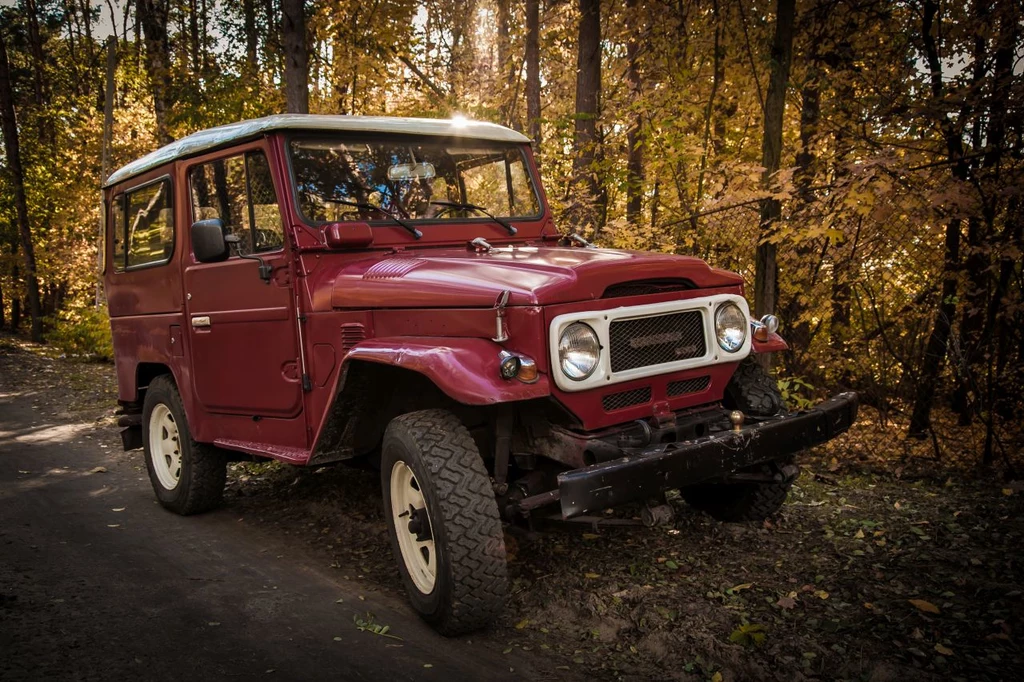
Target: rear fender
(465,369)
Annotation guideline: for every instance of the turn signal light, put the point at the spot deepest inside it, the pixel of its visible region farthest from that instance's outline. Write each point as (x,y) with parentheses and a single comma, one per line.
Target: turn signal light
(768,324)
(527,371)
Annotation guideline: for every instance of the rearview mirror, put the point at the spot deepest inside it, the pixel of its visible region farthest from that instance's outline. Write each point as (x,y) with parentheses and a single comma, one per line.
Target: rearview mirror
(208,243)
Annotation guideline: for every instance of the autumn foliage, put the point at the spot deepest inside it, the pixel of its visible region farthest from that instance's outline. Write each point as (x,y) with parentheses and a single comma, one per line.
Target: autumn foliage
(896,211)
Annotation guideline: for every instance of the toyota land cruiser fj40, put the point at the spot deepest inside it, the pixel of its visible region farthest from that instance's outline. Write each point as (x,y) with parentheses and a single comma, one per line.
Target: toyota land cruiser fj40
(312,289)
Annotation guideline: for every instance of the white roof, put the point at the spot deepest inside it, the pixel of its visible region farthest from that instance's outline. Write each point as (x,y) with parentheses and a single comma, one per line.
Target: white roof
(211,138)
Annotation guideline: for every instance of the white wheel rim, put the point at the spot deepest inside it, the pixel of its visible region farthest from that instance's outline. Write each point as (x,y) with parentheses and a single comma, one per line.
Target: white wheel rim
(409,505)
(164,447)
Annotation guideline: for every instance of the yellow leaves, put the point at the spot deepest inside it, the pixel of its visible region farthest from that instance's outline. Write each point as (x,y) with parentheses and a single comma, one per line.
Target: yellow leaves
(945,651)
(748,634)
(925,606)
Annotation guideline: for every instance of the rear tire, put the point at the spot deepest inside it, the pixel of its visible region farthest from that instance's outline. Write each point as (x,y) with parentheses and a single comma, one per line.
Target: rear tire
(443,521)
(187,477)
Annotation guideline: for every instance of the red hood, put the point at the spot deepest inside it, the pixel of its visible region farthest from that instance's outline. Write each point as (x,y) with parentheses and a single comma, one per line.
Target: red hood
(533,276)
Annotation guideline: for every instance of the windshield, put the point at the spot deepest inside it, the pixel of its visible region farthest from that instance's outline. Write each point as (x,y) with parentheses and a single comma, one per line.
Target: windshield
(404,178)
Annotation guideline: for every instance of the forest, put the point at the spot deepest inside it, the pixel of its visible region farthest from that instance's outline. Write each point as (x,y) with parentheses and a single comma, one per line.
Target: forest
(860,162)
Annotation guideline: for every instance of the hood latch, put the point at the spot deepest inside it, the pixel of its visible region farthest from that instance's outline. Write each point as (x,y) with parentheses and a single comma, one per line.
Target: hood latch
(499,311)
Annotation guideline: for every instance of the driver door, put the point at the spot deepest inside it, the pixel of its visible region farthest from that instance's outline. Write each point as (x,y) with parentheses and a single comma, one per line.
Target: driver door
(242,330)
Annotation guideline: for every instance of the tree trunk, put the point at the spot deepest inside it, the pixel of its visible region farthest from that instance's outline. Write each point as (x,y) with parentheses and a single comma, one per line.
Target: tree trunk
(193,36)
(793,310)
(767,272)
(976,260)
(717,76)
(271,41)
(634,135)
(152,16)
(533,72)
(586,211)
(108,134)
(938,340)
(505,72)
(252,65)
(296,57)
(14,168)
(39,82)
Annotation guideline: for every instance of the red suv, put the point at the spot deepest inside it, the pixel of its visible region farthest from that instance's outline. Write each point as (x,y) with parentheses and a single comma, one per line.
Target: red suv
(314,289)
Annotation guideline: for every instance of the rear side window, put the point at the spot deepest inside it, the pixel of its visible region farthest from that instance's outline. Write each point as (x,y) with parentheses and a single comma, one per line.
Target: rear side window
(117,220)
(239,191)
(143,226)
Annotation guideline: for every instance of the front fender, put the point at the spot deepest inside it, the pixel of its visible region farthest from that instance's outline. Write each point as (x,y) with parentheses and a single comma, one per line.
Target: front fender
(774,344)
(465,369)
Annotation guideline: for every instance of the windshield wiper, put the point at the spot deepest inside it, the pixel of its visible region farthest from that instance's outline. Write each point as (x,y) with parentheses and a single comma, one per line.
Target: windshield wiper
(473,207)
(370,207)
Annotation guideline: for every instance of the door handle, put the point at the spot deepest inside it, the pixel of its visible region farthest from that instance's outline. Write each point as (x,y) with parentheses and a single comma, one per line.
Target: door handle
(200,321)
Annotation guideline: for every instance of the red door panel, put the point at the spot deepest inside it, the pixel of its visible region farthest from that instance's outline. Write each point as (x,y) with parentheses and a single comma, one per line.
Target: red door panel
(243,339)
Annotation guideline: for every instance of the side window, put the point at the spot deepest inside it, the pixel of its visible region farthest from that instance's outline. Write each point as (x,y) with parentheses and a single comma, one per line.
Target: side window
(150,225)
(117,231)
(239,190)
(218,191)
(267,229)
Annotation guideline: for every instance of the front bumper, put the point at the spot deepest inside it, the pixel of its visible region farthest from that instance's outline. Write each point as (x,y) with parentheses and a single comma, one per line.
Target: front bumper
(643,473)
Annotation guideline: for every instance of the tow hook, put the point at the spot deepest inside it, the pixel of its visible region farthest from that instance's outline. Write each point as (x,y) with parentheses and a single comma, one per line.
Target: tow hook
(639,441)
(654,514)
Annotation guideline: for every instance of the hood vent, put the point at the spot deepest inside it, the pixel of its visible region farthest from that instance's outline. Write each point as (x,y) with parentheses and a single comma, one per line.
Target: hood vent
(646,287)
(392,268)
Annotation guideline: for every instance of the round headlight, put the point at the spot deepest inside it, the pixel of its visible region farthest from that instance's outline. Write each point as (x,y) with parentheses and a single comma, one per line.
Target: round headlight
(731,327)
(578,351)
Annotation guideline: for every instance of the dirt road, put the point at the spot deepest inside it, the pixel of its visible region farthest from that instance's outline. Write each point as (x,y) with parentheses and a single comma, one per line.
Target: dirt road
(97,582)
(863,576)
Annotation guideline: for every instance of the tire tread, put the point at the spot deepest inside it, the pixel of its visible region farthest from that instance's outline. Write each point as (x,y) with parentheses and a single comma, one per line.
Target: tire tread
(473,529)
(208,468)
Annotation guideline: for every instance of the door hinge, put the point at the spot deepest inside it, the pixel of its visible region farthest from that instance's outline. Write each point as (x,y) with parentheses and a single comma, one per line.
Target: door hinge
(307,385)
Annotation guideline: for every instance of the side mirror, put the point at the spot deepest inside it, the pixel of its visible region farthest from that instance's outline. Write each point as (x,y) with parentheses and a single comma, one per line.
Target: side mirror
(208,242)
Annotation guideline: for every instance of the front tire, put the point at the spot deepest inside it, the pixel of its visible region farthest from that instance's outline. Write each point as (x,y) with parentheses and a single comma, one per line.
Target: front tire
(443,521)
(187,477)
(754,392)
(739,502)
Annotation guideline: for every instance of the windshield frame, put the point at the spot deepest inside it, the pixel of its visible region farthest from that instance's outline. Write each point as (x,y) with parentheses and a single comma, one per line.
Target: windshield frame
(384,220)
